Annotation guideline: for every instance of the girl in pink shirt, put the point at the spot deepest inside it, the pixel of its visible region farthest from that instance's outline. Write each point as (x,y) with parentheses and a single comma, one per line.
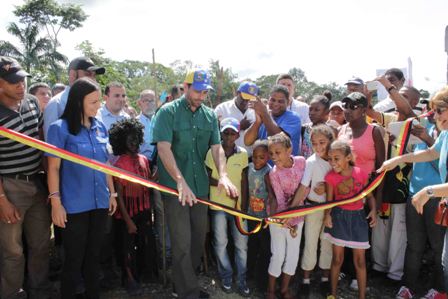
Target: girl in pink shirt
(346,225)
(284,179)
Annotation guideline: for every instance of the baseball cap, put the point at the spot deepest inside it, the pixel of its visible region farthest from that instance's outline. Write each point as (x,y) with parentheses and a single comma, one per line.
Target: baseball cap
(86,64)
(230,123)
(336,104)
(248,90)
(11,71)
(199,79)
(356,98)
(356,81)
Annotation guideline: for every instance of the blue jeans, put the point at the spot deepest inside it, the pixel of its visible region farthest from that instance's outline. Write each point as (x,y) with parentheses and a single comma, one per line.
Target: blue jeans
(220,222)
(445,260)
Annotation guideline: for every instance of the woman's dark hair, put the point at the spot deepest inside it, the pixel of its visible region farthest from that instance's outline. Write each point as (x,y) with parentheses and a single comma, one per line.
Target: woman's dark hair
(323,100)
(119,132)
(74,112)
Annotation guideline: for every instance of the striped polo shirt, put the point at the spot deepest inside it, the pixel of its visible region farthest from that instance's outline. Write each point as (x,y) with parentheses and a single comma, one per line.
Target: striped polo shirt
(16,158)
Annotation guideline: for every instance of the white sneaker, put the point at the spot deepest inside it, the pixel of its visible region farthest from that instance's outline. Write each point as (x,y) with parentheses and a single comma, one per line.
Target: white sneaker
(354,285)
(433,294)
(404,293)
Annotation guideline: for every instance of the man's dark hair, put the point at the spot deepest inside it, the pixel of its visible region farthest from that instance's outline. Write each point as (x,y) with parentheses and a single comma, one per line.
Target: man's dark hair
(176,90)
(413,89)
(120,130)
(74,110)
(34,87)
(110,85)
(57,86)
(280,88)
(396,72)
(284,76)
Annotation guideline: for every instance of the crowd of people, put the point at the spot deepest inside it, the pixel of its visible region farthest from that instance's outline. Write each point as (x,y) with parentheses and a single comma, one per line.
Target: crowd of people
(259,156)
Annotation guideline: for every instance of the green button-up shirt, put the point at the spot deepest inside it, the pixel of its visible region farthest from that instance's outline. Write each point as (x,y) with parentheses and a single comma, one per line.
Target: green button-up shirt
(190,134)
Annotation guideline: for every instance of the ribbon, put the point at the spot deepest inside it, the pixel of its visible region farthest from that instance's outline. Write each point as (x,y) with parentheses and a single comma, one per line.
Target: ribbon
(239,215)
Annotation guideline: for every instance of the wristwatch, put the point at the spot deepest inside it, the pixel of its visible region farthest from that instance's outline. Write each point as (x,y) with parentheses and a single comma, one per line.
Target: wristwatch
(115,194)
(429,191)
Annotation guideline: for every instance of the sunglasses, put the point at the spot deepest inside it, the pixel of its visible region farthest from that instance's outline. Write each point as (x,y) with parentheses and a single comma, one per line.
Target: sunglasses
(439,110)
(350,105)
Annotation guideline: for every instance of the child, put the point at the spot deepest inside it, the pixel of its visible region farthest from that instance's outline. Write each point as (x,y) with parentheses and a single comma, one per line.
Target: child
(133,214)
(317,167)
(346,225)
(258,245)
(284,178)
(319,110)
(237,161)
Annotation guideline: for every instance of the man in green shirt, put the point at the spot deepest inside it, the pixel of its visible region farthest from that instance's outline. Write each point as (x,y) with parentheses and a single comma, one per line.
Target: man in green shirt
(184,131)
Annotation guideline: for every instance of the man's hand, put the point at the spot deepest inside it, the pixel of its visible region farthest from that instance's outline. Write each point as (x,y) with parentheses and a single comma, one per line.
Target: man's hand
(244,123)
(8,212)
(185,193)
(260,109)
(132,228)
(225,183)
(389,164)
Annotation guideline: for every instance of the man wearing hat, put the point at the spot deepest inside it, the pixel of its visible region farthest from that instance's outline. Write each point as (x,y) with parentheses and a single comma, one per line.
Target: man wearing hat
(355,84)
(23,207)
(78,68)
(184,131)
(237,108)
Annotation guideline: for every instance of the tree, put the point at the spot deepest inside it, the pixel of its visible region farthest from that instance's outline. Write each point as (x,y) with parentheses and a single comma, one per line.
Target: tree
(53,17)
(32,52)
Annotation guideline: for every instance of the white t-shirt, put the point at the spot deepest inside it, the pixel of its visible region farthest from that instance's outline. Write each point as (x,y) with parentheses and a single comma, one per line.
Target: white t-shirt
(386,105)
(315,171)
(229,109)
(302,109)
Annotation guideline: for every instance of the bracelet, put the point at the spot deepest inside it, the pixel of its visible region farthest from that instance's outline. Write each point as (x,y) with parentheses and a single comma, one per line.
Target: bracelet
(391,88)
(54,194)
(115,194)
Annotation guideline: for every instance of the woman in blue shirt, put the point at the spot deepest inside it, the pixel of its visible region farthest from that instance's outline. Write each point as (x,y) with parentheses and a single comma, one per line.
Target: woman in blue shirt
(439,150)
(81,198)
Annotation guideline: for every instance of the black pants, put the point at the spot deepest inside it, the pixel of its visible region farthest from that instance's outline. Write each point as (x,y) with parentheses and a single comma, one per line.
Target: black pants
(187,226)
(135,253)
(81,239)
(259,255)
(421,229)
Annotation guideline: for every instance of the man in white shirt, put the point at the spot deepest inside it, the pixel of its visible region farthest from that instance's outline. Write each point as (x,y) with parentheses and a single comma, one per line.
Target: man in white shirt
(299,107)
(396,78)
(237,108)
(112,111)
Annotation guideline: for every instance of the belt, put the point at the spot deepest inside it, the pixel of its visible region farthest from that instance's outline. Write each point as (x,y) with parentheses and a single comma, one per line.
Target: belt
(20,176)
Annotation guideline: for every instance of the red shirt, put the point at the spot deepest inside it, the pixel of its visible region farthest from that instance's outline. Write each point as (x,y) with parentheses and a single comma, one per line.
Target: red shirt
(347,186)
(134,196)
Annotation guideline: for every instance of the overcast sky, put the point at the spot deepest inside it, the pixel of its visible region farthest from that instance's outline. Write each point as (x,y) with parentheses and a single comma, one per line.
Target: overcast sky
(330,40)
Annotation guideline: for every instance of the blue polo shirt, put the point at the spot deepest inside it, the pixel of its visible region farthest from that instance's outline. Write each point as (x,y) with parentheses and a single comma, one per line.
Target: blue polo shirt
(82,188)
(441,146)
(424,173)
(289,122)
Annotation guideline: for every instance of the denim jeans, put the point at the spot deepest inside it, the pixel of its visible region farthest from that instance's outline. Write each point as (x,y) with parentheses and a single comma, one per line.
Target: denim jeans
(220,221)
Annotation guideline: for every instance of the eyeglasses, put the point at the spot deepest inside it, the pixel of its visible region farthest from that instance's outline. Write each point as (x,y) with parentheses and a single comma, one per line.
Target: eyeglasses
(439,110)
(350,105)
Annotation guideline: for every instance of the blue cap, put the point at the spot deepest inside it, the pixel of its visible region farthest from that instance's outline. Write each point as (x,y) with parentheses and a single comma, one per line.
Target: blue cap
(230,123)
(199,80)
(249,90)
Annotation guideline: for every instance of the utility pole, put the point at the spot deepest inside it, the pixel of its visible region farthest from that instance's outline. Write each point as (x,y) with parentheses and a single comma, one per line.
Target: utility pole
(155,77)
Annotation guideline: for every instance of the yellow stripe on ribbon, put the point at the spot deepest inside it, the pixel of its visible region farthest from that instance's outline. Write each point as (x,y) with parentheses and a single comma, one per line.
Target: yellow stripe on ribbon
(122,174)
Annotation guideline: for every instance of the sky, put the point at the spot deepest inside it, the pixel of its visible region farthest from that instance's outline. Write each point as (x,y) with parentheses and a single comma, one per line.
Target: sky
(329,40)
